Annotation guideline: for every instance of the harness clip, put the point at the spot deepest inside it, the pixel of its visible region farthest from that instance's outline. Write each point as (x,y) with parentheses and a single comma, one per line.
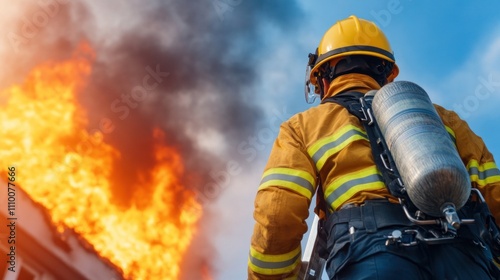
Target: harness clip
(396,238)
(367,112)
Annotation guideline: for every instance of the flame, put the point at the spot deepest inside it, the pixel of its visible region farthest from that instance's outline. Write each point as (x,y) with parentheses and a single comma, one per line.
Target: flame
(67,170)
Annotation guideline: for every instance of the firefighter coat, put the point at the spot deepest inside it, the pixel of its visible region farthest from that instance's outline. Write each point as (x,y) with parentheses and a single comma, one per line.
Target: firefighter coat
(328,144)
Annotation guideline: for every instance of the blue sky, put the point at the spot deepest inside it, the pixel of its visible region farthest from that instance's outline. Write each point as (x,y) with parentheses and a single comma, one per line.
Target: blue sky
(449,48)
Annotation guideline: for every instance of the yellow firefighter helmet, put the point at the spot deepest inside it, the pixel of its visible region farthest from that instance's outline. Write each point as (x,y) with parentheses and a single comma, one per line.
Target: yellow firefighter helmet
(351,36)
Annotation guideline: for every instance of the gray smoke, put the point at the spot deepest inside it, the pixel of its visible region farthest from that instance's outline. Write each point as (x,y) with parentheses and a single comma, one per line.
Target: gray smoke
(186,67)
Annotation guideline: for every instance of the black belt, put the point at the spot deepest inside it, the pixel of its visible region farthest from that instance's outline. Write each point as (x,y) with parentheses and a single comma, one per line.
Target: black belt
(372,215)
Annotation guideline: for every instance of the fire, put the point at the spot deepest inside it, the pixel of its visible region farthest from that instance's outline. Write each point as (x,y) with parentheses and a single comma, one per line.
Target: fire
(67,169)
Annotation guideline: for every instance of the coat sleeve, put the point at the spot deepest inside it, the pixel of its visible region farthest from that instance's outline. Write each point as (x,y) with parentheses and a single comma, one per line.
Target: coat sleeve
(483,171)
(281,208)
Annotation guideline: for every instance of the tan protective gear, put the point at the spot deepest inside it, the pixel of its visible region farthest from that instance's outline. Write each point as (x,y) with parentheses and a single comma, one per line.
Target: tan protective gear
(328,141)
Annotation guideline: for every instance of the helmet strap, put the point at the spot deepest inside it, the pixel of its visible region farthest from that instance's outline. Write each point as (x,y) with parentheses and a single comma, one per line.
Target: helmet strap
(321,88)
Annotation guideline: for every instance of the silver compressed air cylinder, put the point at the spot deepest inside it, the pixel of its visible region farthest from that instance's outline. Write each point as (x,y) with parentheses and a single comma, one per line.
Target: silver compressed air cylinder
(432,172)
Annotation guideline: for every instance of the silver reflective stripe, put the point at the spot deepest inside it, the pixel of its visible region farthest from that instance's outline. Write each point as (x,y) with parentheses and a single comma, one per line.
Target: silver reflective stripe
(274,265)
(342,189)
(290,178)
(319,154)
(482,175)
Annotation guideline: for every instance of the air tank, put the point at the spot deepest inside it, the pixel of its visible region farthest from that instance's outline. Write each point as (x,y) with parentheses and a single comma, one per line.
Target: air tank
(424,153)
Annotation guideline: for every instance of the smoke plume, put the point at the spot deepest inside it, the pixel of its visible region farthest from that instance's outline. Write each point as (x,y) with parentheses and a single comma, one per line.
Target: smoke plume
(186,67)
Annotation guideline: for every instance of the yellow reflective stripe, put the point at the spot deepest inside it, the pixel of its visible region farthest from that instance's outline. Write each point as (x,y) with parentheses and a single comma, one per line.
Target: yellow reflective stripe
(297,180)
(452,134)
(273,264)
(321,150)
(484,174)
(344,187)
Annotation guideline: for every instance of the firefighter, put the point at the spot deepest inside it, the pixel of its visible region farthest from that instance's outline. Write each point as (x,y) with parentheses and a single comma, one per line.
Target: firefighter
(326,146)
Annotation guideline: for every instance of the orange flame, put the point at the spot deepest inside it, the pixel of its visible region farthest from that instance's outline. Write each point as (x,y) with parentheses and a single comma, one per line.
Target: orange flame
(42,131)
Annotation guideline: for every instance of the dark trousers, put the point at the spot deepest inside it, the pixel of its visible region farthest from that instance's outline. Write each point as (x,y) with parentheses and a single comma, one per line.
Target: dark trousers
(359,254)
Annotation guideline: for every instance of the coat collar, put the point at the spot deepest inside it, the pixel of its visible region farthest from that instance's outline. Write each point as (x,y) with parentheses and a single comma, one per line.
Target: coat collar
(351,82)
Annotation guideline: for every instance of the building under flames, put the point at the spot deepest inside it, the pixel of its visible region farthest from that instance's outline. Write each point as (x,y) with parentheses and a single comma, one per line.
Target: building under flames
(33,248)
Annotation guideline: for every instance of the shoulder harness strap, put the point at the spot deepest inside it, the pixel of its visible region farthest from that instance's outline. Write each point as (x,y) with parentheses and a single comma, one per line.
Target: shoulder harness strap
(359,105)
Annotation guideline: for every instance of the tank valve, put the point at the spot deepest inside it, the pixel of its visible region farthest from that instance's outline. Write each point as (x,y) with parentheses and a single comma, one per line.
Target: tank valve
(451,215)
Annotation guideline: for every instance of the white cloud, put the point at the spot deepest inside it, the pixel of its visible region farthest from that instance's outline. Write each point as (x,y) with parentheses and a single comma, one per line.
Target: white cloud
(235,222)
(474,88)
(491,57)
(283,70)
